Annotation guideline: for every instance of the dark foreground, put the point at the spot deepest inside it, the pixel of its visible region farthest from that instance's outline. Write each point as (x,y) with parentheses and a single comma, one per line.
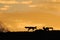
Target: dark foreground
(38,35)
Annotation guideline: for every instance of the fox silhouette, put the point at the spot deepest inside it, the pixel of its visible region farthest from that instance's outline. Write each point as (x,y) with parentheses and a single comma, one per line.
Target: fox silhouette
(47,28)
(31,27)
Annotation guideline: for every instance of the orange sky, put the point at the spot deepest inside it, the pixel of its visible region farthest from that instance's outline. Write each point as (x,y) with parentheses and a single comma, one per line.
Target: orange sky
(16,14)
(17,21)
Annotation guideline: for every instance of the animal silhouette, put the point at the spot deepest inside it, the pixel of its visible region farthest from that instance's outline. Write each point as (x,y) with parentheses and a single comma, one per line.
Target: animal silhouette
(47,28)
(31,27)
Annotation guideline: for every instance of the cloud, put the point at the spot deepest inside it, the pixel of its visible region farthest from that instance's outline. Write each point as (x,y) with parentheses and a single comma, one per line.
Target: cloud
(26,2)
(36,5)
(6,7)
(33,6)
(9,2)
(15,2)
(12,2)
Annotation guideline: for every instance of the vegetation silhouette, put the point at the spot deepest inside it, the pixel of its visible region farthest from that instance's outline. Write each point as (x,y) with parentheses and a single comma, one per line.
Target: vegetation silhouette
(3,28)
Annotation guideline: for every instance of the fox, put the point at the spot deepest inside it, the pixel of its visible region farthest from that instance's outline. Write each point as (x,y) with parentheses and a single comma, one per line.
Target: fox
(47,28)
(31,27)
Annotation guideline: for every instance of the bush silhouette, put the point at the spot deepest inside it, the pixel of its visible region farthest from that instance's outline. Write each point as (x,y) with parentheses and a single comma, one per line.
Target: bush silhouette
(2,28)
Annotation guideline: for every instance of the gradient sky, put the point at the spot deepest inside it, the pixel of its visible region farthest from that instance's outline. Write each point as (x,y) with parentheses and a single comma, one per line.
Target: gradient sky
(16,14)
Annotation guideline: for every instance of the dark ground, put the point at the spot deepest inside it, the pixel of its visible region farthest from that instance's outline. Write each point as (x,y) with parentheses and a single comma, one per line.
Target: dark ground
(38,35)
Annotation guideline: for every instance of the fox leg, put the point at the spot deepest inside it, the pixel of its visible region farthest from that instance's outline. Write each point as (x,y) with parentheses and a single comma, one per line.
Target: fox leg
(33,29)
(28,29)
